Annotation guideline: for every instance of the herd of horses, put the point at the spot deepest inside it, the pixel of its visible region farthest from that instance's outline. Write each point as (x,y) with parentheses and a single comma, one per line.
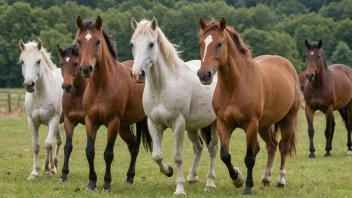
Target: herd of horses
(209,98)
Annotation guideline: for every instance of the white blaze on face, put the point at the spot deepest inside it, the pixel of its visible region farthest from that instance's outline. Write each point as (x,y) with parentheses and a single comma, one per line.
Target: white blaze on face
(88,36)
(312,53)
(67,59)
(207,41)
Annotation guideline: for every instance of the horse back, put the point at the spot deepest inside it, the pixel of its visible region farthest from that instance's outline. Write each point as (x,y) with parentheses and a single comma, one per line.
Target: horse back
(343,84)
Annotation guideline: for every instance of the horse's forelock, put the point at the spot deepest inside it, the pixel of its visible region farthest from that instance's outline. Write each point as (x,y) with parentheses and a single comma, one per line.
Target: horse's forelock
(32,46)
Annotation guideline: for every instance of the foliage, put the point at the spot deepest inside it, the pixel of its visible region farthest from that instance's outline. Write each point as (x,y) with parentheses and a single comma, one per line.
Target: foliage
(268,26)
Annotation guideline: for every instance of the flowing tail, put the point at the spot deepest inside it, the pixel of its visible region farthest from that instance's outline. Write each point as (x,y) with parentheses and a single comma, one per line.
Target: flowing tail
(143,133)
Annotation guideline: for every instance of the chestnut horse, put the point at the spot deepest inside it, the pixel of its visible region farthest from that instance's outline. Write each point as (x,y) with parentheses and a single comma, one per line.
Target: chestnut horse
(111,98)
(328,89)
(74,86)
(259,95)
(302,80)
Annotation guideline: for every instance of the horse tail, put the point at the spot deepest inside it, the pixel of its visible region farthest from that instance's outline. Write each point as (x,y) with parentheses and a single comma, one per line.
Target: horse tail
(344,114)
(292,147)
(206,135)
(143,133)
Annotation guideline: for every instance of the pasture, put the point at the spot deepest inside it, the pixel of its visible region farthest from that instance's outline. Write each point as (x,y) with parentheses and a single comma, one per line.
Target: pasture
(320,177)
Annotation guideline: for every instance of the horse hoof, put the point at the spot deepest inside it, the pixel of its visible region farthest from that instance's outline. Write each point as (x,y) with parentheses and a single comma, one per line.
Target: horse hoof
(349,152)
(265,182)
(327,155)
(106,188)
(209,188)
(129,181)
(171,170)
(247,191)
(194,180)
(92,186)
(53,171)
(280,185)
(238,183)
(62,178)
(180,193)
(32,177)
(311,156)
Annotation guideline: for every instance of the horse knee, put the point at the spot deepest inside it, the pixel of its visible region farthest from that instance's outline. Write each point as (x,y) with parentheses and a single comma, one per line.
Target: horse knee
(225,155)
(36,148)
(90,153)
(178,158)
(311,132)
(249,160)
(108,156)
(68,148)
(49,146)
(157,156)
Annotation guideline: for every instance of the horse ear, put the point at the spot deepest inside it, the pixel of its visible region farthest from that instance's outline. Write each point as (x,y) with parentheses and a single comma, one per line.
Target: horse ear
(98,23)
(134,23)
(154,24)
(21,44)
(59,49)
(307,44)
(79,23)
(202,23)
(223,23)
(39,44)
(320,44)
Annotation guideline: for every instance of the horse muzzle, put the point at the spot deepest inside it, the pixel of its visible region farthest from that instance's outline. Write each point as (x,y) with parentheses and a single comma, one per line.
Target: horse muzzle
(29,86)
(138,77)
(68,88)
(86,71)
(205,77)
(310,76)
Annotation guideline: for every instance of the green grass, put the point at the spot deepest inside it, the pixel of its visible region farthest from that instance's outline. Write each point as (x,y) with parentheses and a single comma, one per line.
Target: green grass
(320,177)
(15,92)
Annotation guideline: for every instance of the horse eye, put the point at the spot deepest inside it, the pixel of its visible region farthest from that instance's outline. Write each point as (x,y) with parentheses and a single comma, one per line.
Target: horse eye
(199,44)
(98,42)
(151,45)
(38,62)
(21,62)
(78,42)
(219,45)
(61,65)
(76,64)
(131,44)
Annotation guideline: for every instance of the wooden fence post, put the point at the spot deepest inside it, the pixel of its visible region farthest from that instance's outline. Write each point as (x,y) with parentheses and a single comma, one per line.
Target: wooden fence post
(19,100)
(9,101)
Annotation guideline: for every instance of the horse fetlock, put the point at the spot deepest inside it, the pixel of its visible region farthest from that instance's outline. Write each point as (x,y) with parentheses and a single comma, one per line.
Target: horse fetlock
(157,156)
(247,191)
(281,182)
(180,189)
(106,187)
(238,183)
(192,178)
(266,177)
(210,185)
(92,186)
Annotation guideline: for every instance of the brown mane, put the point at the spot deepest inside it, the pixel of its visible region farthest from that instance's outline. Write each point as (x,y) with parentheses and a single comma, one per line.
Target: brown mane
(241,46)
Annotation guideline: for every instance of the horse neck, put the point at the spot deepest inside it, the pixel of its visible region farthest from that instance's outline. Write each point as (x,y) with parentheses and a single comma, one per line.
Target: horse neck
(80,83)
(238,68)
(159,73)
(44,83)
(104,70)
(322,79)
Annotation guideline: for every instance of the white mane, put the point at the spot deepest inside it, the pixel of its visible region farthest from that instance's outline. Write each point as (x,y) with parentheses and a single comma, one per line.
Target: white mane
(32,45)
(169,51)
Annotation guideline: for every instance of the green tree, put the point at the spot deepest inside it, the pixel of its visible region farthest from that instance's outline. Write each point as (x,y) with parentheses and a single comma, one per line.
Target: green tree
(342,54)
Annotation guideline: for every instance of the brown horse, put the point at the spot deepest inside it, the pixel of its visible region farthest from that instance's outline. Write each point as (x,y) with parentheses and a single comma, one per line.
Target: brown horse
(259,95)
(111,98)
(302,79)
(328,89)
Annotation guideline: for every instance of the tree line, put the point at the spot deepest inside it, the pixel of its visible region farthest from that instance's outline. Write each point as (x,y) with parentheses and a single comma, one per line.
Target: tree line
(267,26)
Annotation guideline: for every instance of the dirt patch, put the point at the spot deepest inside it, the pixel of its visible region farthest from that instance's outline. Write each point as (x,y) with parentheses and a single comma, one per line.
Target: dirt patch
(18,112)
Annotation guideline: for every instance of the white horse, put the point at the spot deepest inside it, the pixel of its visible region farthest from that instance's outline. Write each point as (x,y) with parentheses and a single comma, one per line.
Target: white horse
(173,98)
(43,101)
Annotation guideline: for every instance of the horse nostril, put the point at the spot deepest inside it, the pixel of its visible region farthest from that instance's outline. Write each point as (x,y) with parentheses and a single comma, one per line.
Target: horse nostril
(142,73)
(69,87)
(209,74)
(90,68)
(80,68)
(198,73)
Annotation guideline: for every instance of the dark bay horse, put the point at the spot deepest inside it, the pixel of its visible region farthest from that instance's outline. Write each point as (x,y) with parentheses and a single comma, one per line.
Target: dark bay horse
(74,86)
(329,88)
(259,95)
(111,98)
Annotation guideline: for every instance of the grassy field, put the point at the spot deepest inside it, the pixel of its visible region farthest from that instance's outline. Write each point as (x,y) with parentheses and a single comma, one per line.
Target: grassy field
(320,177)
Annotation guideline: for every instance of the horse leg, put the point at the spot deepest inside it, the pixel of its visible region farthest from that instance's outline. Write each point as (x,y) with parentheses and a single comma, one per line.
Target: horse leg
(69,128)
(212,149)
(113,129)
(197,144)
(225,133)
(49,144)
(91,132)
(348,122)
(269,136)
(133,147)
(179,131)
(251,140)
(58,137)
(310,118)
(33,127)
(328,130)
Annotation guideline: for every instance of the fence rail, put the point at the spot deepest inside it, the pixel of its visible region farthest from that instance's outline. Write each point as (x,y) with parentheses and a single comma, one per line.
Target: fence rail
(11,99)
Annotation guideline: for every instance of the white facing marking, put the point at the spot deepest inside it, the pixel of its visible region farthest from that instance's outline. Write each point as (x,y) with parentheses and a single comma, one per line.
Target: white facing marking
(67,59)
(312,53)
(88,36)
(207,41)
